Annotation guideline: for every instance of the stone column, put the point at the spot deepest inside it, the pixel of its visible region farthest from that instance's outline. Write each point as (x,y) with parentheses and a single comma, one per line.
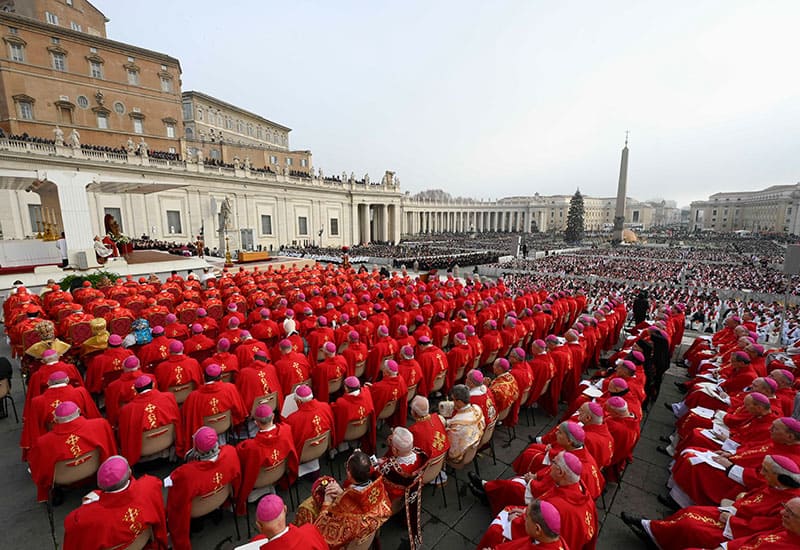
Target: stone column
(73,209)
(355,225)
(384,211)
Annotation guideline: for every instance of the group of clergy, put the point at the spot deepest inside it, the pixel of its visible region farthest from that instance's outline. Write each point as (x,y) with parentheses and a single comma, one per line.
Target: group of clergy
(735,470)
(291,355)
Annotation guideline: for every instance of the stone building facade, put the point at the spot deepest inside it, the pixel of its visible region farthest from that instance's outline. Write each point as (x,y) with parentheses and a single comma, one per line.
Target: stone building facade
(772,210)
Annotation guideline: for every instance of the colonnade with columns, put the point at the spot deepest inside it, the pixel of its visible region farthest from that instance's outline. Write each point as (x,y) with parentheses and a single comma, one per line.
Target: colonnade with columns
(511,220)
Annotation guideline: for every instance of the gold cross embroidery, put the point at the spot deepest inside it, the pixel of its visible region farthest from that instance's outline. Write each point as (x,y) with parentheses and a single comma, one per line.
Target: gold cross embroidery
(275,455)
(217,480)
(317,427)
(214,402)
(438,441)
(264,386)
(179,374)
(151,418)
(130,518)
(74,448)
(362,412)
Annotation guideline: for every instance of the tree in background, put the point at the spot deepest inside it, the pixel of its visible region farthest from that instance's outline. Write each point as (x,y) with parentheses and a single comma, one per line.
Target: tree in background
(574,232)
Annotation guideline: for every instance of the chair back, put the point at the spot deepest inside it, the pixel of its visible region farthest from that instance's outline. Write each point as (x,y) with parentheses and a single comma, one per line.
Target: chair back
(476,363)
(545,388)
(356,429)
(269,475)
(460,371)
(412,391)
(491,358)
(67,472)
(335,384)
(361,366)
(187,315)
(121,326)
(77,333)
(158,439)
(320,355)
(220,422)
(445,341)
(438,381)
(182,392)
(488,433)
(315,447)
(524,397)
(469,456)
(5,388)
(138,543)
(432,468)
(388,410)
(157,319)
(503,414)
(364,543)
(207,503)
(270,399)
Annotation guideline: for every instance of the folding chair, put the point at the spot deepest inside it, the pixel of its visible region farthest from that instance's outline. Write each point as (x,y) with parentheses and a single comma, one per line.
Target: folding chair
(67,472)
(205,504)
(5,396)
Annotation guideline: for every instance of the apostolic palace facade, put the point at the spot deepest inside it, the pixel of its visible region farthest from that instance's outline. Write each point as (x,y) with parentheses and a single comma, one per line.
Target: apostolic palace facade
(94,127)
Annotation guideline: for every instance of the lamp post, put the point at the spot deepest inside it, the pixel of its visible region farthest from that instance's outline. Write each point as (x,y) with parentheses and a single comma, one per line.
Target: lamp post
(228,260)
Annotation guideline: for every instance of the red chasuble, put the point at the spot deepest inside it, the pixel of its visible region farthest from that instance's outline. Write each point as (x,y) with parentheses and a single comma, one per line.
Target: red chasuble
(211,399)
(194,479)
(118,518)
(178,370)
(310,420)
(388,389)
(351,407)
(266,449)
(780,539)
(430,435)
(68,441)
(257,380)
(354,514)
(306,537)
(149,410)
(40,414)
(699,526)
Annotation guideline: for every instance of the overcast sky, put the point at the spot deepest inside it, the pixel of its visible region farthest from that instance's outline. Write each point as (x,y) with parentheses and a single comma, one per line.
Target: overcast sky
(492,99)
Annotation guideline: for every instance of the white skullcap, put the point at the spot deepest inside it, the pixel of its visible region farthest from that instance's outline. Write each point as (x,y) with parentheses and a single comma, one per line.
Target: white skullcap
(289,326)
(402,439)
(420,405)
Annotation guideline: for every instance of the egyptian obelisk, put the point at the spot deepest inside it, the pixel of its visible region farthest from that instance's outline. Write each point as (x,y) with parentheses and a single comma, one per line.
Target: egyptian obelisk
(619,213)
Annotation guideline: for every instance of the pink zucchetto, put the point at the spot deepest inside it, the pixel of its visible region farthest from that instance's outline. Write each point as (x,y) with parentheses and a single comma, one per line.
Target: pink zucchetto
(638,356)
(204,439)
(322,321)
(519,353)
(784,463)
(551,338)
(58,377)
(49,354)
(213,370)
(792,424)
(620,384)
(475,376)
(595,409)
(130,363)
(424,340)
(233,322)
(171,318)
(503,363)
(329,347)
(285,344)
(574,431)
(550,516)
(142,382)
(617,403)
(760,398)
(269,508)
(223,344)
(175,346)
(201,312)
(113,472)
(407,351)
(263,411)
(158,330)
(402,330)
(470,330)
(66,412)
(197,328)
(114,340)
(353,336)
(573,463)
(232,307)
(741,356)
(383,330)
(539,343)
(303,392)
(391,366)
(352,382)
(629,366)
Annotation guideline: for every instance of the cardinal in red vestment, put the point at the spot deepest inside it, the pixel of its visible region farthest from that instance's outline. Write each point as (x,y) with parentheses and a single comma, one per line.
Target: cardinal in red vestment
(107,364)
(258,380)
(209,468)
(116,514)
(210,400)
(40,415)
(72,437)
(429,431)
(276,534)
(390,388)
(227,361)
(292,366)
(122,390)
(309,417)
(354,406)
(178,369)
(707,526)
(787,537)
(401,464)
(536,527)
(148,410)
(272,445)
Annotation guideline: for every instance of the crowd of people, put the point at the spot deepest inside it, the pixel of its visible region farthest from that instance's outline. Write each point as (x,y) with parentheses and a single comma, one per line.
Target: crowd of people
(279,358)
(735,448)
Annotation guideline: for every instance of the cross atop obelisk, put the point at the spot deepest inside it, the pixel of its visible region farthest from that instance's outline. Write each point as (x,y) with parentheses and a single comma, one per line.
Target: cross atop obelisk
(619,213)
